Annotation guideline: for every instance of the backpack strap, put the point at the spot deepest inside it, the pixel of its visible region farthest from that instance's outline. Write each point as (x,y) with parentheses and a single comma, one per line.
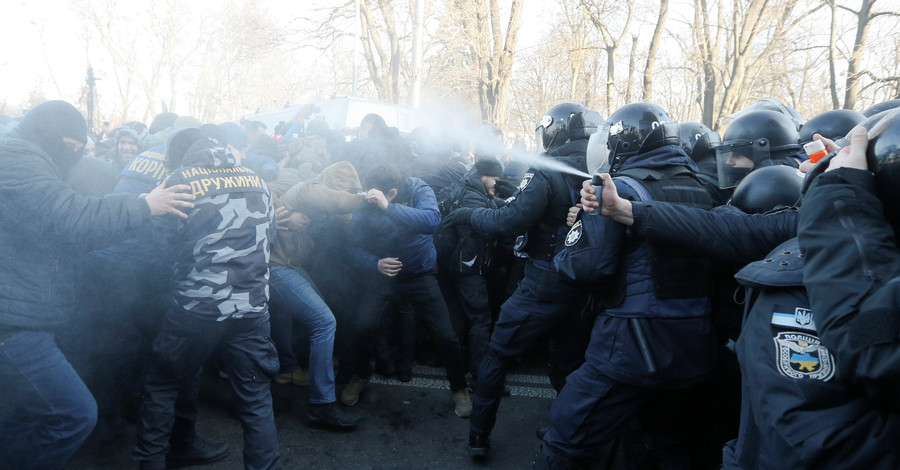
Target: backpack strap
(637,187)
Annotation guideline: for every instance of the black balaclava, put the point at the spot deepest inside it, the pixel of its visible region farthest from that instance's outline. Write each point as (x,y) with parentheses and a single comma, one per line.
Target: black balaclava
(46,125)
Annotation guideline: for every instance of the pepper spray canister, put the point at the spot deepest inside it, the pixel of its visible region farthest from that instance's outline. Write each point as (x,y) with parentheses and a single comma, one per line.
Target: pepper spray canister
(597,184)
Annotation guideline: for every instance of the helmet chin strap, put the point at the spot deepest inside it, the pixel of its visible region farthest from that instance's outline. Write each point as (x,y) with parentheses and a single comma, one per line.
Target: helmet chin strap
(552,141)
(614,157)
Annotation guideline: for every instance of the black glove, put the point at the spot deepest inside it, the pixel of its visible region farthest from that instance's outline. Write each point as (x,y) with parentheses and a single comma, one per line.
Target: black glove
(459,216)
(504,189)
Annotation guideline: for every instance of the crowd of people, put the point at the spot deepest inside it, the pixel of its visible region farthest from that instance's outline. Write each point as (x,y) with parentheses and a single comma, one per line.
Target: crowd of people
(704,300)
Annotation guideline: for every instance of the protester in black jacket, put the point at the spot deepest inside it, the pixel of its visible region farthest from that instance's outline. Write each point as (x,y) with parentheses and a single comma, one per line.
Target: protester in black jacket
(46,411)
(471,257)
(218,303)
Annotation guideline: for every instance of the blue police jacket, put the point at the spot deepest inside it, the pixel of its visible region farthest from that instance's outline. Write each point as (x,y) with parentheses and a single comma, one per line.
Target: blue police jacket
(679,331)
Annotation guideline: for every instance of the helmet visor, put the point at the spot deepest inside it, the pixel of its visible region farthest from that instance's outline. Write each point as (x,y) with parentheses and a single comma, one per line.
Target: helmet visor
(888,121)
(598,150)
(540,133)
(735,159)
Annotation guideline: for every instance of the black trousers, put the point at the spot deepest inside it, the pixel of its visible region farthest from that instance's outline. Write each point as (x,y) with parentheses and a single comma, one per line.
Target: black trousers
(422,292)
(249,358)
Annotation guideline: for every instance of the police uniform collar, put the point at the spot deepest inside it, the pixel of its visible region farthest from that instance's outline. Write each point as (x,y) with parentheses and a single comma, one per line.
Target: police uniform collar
(782,267)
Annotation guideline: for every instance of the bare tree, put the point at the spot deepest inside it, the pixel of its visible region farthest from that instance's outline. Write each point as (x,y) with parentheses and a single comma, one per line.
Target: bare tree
(736,48)
(647,92)
(385,35)
(239,59)
(832,46)
(864,18)
(602,14)
(632,57)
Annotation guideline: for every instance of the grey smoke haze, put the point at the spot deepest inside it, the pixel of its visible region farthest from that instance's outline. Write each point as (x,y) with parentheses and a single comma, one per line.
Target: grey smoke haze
(456,127)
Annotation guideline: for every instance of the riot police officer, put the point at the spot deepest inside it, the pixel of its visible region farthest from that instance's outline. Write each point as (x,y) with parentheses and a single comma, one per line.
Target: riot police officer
(755,139)
(656,297)
(543,302)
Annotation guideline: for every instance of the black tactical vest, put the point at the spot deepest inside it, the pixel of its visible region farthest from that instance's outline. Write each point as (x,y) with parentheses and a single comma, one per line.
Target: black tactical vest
(675,273)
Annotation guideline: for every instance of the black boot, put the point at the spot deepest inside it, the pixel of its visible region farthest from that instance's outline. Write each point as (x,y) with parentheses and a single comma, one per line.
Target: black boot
(332,415)
(479,444)
(200,452)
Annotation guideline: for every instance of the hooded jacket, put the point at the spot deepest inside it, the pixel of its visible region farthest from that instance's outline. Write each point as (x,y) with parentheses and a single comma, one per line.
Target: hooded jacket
(221,251)
(333,192)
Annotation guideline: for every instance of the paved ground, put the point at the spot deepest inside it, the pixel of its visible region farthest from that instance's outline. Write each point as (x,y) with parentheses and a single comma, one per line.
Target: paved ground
(405,426)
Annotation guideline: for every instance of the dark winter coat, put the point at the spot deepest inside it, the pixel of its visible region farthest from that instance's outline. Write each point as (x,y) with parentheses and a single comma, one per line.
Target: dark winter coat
(473,251)
(677,327)
(43,223)
(539,209)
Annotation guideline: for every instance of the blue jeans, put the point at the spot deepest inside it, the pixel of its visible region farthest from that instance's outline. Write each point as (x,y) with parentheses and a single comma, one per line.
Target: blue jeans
(46,411)
(183,345)
(294,292)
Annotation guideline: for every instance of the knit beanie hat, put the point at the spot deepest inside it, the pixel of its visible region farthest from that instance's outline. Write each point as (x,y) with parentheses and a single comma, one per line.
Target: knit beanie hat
(489,166)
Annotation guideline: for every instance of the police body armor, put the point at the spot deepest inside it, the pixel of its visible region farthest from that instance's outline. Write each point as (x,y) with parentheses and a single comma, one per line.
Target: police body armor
(655,285)
(673,274)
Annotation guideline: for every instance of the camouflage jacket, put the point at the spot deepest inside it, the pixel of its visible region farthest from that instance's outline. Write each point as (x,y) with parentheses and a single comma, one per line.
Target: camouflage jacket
(222,249)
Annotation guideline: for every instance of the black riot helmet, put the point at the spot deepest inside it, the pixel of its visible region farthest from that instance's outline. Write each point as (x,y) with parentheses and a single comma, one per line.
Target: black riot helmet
(767,188)
(553,129)
(629,126)
(699,142)
(752,139)
(883,158)
(832,124)
(881,107)
(769,104)
(869,123)
(667,133)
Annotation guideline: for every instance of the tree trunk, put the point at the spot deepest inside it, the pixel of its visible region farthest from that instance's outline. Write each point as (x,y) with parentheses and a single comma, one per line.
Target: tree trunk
(632,56)
(832,40)
(863,19)
(647,93)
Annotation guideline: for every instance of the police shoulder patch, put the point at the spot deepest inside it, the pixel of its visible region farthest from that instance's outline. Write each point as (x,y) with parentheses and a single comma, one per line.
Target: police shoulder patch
(525,180)
(802,356)
(574,234)
(794,318)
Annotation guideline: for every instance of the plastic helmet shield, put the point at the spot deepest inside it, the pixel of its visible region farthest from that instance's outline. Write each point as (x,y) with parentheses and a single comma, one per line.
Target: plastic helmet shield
(667,133)
(702,149)
(583,125)
(883,158)
(691,132)
(736,159)
(881,107)
(832,124)
(769,104)
(597,152)
(750,140)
